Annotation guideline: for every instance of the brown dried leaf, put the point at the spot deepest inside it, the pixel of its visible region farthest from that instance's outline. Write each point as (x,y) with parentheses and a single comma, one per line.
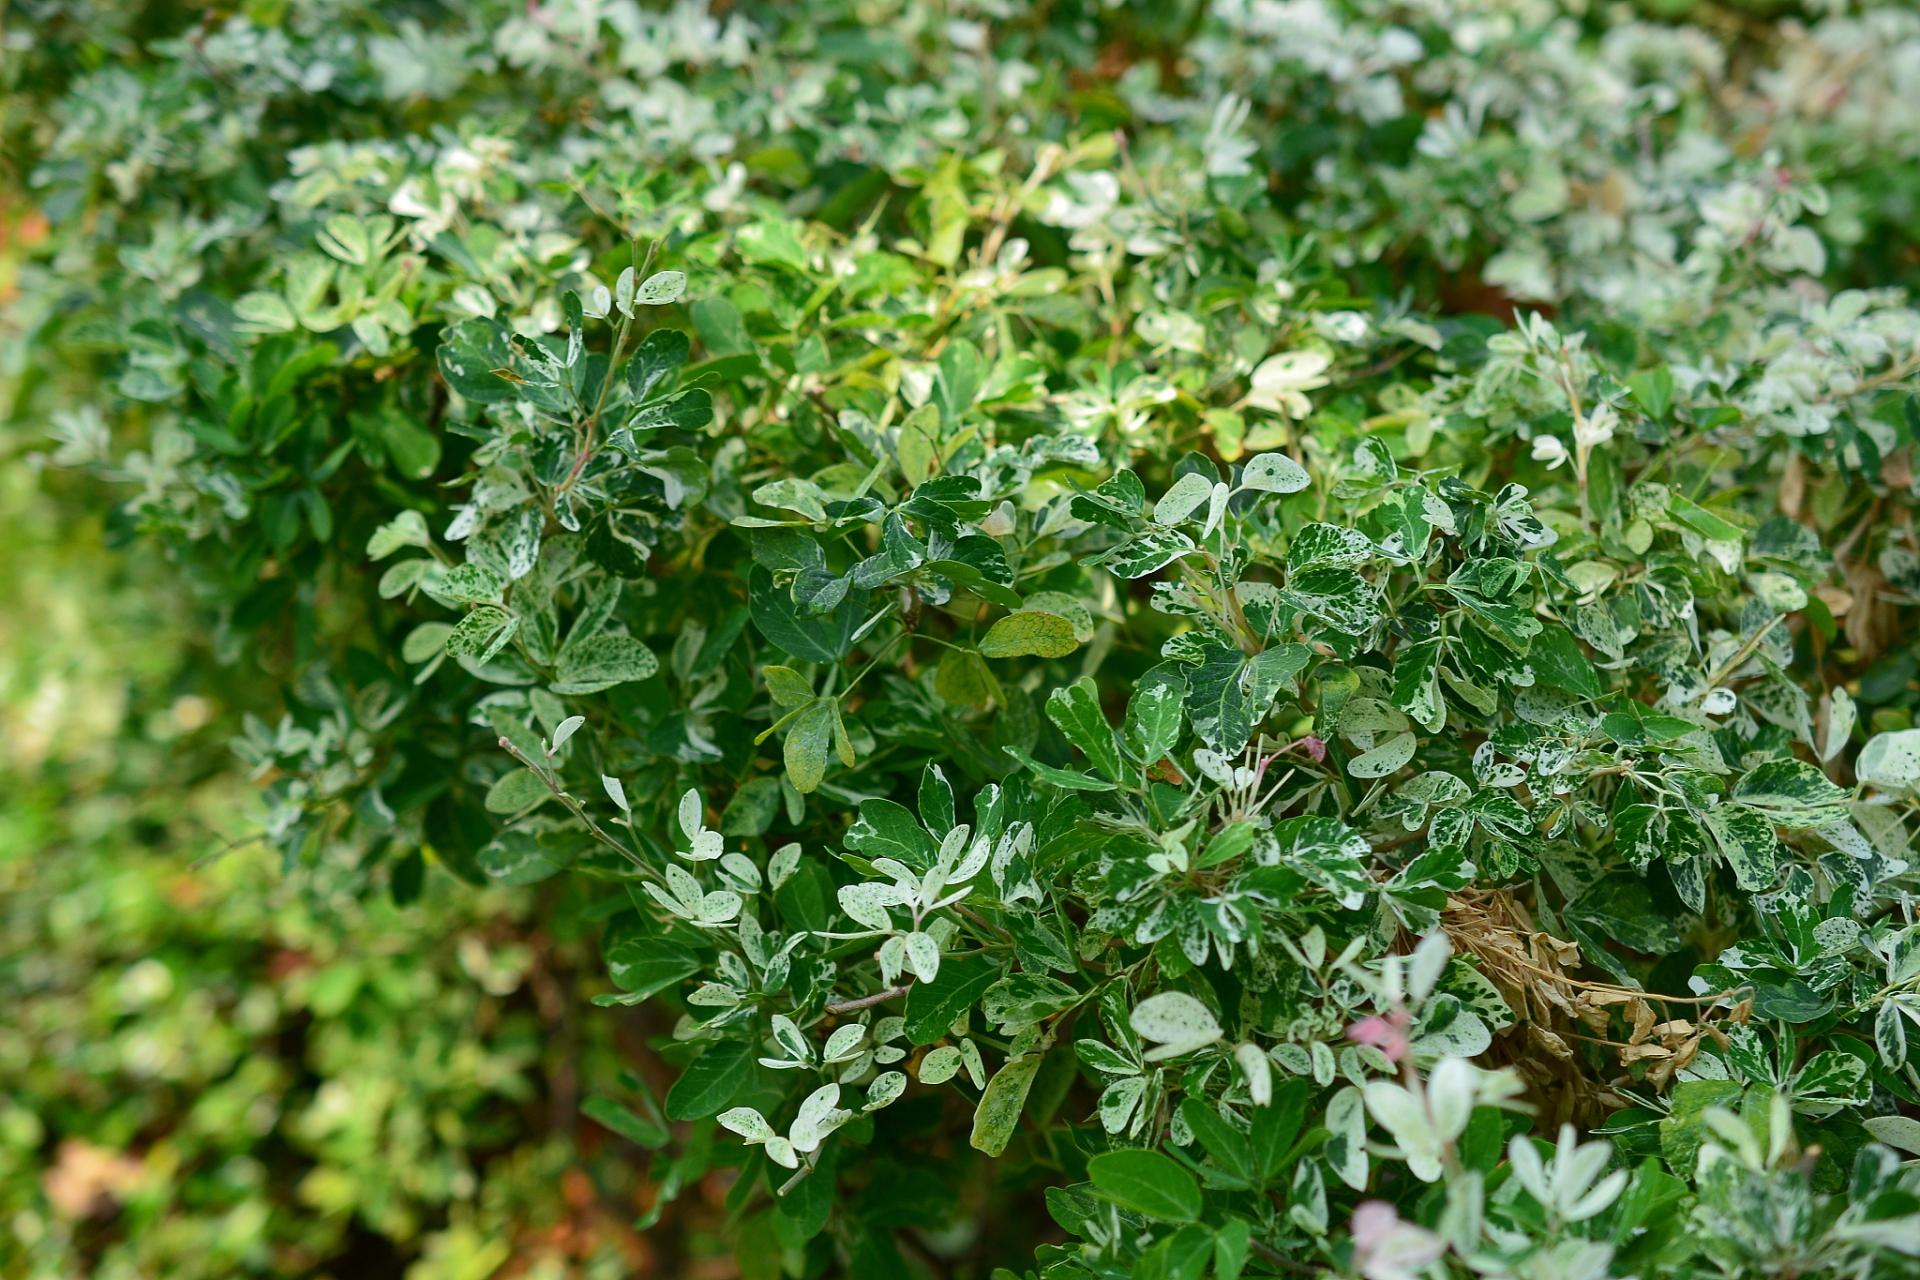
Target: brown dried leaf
(1597,1018)
(1643,1018)
(1683,1056)
(1549,1042)
(1793,486)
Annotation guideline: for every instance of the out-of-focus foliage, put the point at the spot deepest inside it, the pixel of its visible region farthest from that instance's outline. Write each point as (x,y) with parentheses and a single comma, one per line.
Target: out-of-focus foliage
(207,1070)
(1286,602)
(207,1075)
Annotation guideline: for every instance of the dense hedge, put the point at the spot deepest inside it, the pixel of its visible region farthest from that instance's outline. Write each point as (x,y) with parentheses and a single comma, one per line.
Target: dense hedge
(1268,610)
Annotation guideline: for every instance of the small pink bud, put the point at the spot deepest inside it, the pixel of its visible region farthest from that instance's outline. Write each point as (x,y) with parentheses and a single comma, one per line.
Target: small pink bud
(1387,1034)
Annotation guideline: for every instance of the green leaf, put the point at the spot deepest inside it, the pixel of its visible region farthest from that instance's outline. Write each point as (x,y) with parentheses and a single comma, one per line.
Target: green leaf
(775,242)
(1557,660)
(1223,1142)
(1037,942)
(1793,793)
(1416,683)
(1498,591)
(1154,715)
(521,789)
(733,368)
(1339,597)
(515,730)
(889,830)
(516,858)
(408,529)
(1063,778)
(1274,473)
(645,966)
(1029,634)
(721,327)
(602,662)
(1076,711)
(688,411)
(822,639)
(403,577)
(1746,839)
(842,744)
(1067,607)
(711,1081)
(936,801)
(468,356)
(1653,391)
(787,686)
(1684,1128)
(1229,843)
(1702,521)
(1147,1183)
(1229,693)
(998,1114)
(471,584)
(1230,1246)
(482,633)
(414,450)
(900,552)
(969,577)
(805,750)
(616,1118)
(957,383)
(1328,545)
(933,1006)
(1890,761)
(964,679)
(1623,908)
(1146,552)
(654,360)
(1276,1125)
(1179,502)
(1389,757)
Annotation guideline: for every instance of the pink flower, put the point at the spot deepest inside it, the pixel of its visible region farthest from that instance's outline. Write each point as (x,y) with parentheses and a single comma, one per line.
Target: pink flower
(1373,1222)
(1313,747)
(1387,1034)
(1385,1248)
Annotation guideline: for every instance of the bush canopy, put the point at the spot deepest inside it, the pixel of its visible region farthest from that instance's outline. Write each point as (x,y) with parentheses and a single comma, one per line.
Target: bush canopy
(1280,627)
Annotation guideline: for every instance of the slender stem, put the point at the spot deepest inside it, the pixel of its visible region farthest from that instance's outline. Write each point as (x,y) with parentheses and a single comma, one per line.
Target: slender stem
(577,809)
(1279,1259)
(585,449)
(1745,652)
(867,1002)
(874,662)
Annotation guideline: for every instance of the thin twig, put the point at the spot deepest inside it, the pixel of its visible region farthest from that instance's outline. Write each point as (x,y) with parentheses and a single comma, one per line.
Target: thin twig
(981,920)
(578,810)
(1728,667)
(239,842)
(1845,549)
(867,1002)
(1279,1259)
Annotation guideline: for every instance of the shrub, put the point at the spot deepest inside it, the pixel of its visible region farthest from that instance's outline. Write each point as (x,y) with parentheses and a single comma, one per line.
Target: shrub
(1060,603)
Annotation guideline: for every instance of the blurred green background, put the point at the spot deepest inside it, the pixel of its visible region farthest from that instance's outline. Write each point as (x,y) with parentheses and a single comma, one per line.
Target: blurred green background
(208,1068)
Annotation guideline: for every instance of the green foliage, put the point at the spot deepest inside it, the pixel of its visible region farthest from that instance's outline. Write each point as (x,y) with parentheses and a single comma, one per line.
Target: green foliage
(1057,601)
